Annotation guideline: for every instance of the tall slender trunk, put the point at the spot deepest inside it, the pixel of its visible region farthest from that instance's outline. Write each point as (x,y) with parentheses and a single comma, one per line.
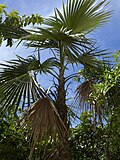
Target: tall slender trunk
(61,102)
(62,108)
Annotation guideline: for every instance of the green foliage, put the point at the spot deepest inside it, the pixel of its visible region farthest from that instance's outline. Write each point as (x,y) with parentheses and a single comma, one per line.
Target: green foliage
(14,20)
(104,100)
(2,9)
(33,19)
(88,141)
(13,140)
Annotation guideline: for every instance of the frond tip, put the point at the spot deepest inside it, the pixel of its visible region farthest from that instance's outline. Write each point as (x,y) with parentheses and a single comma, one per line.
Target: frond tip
(45,122)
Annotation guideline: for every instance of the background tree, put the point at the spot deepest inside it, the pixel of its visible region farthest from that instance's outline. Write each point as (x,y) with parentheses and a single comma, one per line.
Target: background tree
(100,90)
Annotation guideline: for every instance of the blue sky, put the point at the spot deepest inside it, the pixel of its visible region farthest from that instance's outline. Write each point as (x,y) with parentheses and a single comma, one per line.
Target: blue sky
(107,36)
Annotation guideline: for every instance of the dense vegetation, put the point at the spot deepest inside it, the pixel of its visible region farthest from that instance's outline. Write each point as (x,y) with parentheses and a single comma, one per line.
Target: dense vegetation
(47,124)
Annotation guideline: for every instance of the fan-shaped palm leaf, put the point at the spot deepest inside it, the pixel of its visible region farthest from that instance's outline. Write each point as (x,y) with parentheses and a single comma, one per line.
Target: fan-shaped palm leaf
(79,16)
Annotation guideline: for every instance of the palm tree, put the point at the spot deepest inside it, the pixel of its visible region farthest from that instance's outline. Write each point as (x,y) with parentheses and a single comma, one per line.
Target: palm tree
(65,35)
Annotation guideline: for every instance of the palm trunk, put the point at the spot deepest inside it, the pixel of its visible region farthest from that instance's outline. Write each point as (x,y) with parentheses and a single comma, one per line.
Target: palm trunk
(61,102)
(62,109)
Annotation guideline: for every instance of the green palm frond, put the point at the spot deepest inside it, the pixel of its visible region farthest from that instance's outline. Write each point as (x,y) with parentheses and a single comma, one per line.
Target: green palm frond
(79,16)
(45,122)
(18,86)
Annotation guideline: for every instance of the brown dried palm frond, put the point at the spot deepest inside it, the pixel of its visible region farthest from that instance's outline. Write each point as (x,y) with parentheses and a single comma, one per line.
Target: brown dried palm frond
(44,121)
(83,91)
(84,101)
(81,100)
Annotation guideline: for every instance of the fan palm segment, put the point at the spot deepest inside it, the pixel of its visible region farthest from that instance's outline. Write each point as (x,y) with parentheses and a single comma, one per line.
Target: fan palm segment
(79,16)
(18,86)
